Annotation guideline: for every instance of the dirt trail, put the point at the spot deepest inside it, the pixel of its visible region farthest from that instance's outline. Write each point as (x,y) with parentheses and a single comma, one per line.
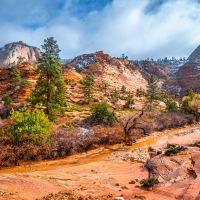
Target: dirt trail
(88,174)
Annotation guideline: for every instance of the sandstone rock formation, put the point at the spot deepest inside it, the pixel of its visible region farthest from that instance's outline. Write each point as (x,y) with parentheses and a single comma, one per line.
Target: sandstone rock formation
(189,74)
(10,53)
(178,174)
(115,71)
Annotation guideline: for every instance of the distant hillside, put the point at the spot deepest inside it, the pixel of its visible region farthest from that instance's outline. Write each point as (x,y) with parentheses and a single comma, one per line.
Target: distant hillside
(188,75)
(10,53)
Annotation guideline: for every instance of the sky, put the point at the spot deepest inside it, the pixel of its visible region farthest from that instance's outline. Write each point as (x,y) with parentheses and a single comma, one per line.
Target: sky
(139,29)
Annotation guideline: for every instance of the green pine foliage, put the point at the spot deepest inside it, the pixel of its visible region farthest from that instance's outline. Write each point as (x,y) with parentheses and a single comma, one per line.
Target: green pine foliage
(15,77)
(103,113)
(171,105)
(29,126)
(104,86)
(7,100)
(115,97)
(149,182)
(191,94)
(153,93)
(140,92)
(88,87)
(129,101)
(123,89)
(50,88)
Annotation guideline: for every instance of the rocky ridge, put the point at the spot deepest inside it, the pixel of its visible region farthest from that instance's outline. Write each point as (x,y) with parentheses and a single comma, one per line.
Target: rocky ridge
(116,72)
(188,75)
(10,53)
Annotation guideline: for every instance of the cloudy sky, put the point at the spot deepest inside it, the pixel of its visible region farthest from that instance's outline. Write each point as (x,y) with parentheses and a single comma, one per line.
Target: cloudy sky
(137,28)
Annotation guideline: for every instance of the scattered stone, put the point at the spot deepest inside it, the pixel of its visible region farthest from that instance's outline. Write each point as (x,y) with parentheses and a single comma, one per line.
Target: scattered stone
(118,198)
(132,182)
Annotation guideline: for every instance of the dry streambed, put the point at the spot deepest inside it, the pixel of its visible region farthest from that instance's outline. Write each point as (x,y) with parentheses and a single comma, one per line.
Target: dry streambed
(103,173)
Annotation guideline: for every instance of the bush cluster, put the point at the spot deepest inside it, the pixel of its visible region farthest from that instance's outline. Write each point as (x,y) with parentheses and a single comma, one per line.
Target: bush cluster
(172,149)
(149,182)
(103,113)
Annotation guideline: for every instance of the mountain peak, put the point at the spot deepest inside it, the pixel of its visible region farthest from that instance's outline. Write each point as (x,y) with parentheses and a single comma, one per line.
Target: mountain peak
(195,55)
(10,53)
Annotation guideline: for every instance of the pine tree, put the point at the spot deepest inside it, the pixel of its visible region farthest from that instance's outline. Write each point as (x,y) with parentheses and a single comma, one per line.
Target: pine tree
(49,89)
(123,89)
(129,101)
(115,97)
(15,76)
(104,86)
(170,103)
(152,92)
(88,87)
(7,100)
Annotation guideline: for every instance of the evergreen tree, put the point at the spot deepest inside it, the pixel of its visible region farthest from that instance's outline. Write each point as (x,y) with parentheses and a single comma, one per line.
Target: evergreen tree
(104,86)
(123,89)
(88,87)
(7,100)
(115,97)
(49,89)
(129,101)
(170,103)
(103,113)
(152,92)
(15,76)
(191,94)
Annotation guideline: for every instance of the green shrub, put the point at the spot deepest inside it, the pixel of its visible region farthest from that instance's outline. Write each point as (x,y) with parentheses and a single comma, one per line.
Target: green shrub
(29,125)
(67,81)
(103,113)
(171,105)
(88,87)
(172,149)
(7,100)
(159,152)
(115,97)
(71,126)
(123,89)
(25,83)
(149,182)
(129,101)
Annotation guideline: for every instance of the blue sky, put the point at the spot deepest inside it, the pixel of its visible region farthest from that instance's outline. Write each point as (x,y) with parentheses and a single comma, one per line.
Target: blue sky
(140,29)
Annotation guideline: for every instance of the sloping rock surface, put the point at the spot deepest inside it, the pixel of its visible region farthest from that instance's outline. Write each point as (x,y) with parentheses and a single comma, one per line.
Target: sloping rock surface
(10,53)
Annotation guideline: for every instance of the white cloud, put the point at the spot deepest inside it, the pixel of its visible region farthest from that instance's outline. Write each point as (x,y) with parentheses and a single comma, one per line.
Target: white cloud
(121,27)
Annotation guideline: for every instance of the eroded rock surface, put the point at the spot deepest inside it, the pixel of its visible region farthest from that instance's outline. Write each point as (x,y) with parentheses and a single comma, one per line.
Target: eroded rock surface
(10,53)
(178,174)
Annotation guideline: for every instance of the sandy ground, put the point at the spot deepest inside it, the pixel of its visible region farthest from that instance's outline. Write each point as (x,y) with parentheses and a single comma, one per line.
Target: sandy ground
(101,172)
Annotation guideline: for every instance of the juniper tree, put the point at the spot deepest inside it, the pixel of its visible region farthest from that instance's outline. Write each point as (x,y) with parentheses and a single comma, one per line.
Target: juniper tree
(49,89)
(88,87)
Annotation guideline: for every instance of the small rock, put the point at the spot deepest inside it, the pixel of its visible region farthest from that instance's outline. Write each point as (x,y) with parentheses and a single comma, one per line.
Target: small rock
(132,182)
(118,198)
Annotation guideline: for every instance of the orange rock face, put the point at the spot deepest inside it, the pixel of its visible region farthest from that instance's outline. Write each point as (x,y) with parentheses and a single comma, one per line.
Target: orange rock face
(188,77)
(18,93)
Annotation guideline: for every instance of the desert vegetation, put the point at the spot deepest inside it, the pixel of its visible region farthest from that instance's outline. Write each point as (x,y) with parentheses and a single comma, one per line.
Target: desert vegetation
(51,123)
